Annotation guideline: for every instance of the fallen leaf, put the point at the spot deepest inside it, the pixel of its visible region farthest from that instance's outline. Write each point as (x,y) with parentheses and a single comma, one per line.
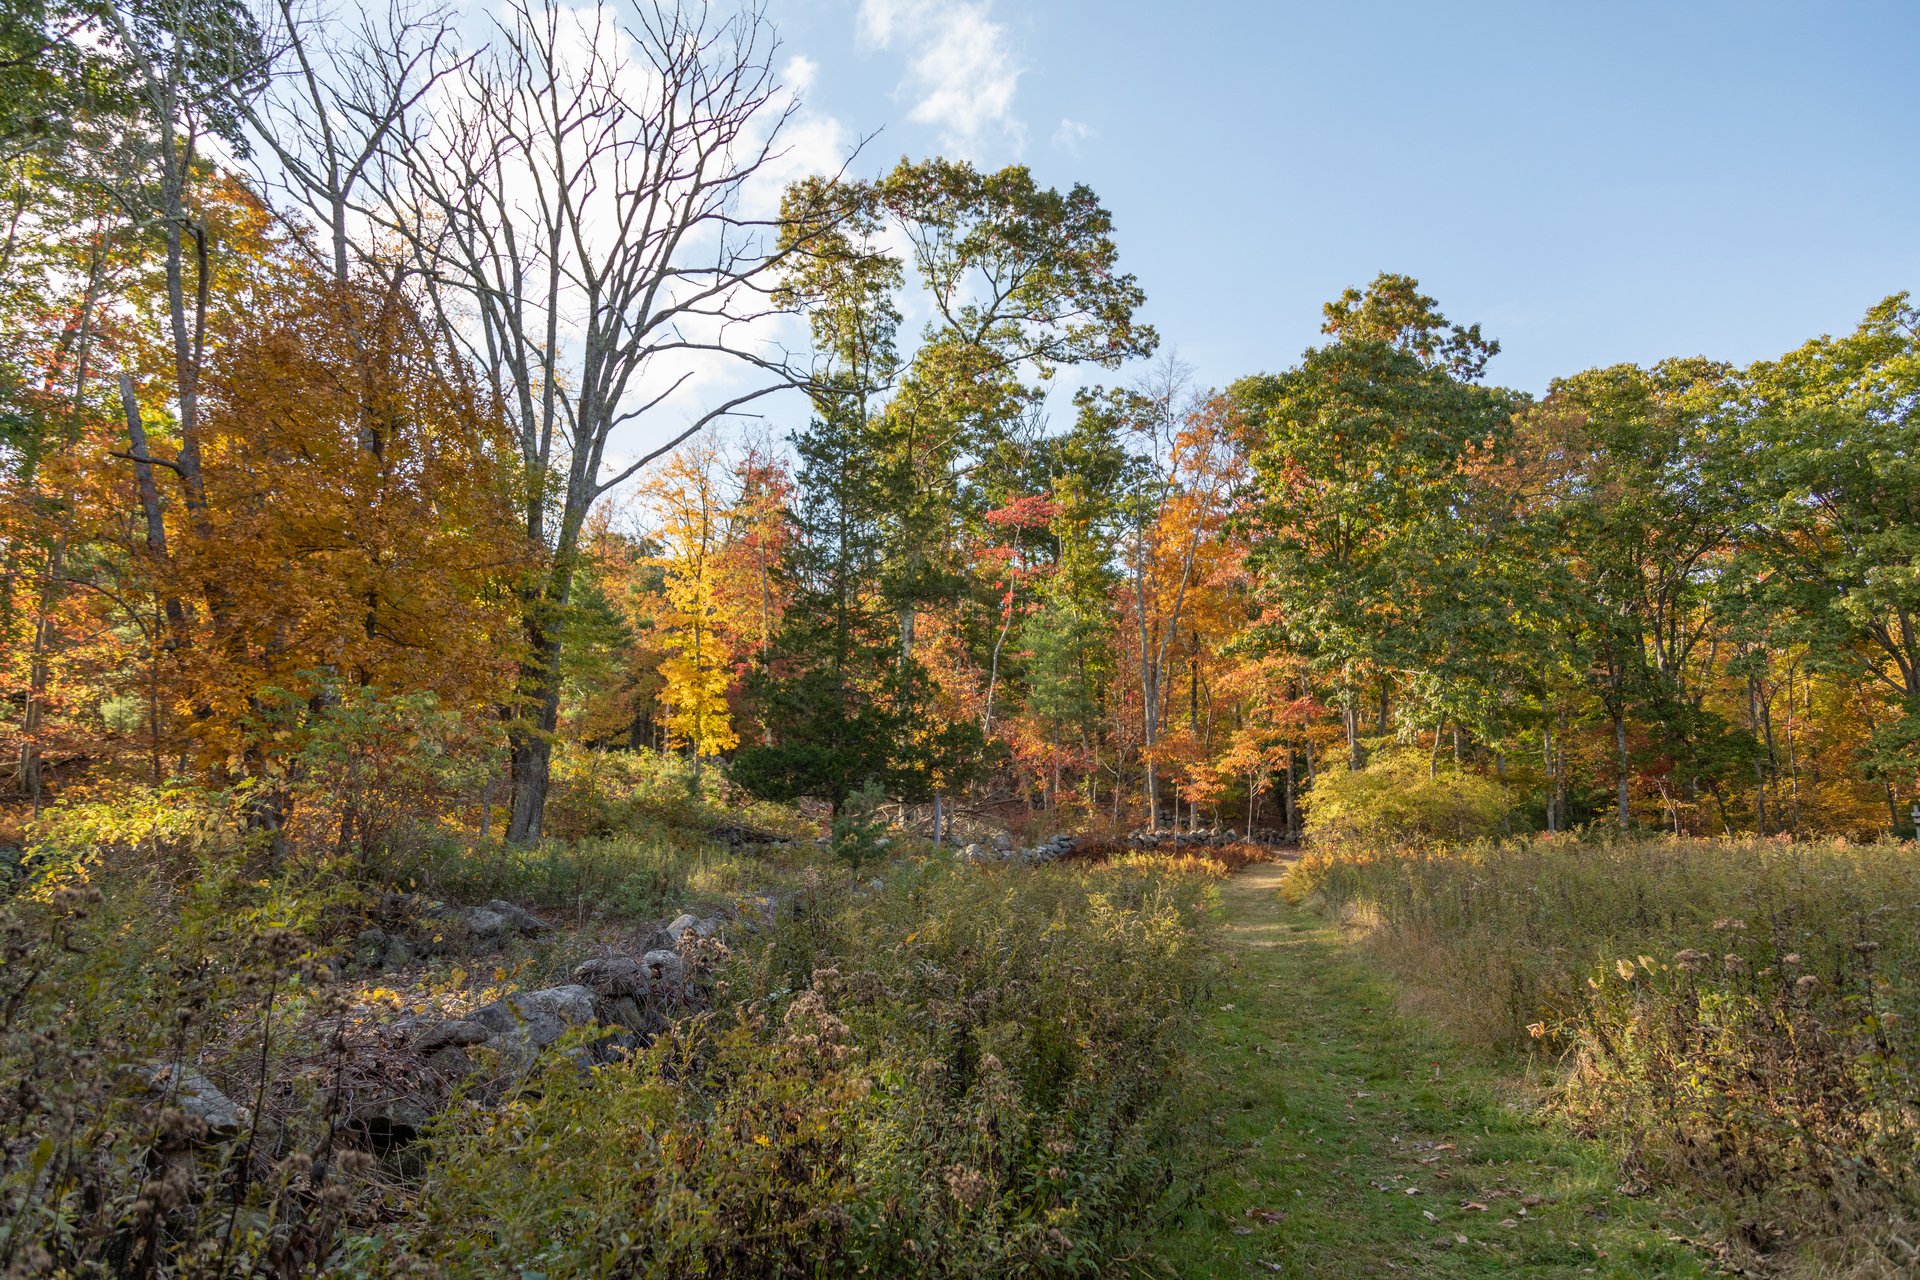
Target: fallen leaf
(1474,1205)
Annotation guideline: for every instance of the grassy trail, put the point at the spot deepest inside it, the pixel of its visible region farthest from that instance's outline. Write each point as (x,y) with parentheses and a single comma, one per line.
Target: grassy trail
(1350,1141)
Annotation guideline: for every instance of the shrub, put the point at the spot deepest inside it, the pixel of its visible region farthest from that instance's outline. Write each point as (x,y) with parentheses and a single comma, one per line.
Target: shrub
(1396,800)
(123,1013)
(173,826)
(601,793)
(1781,1081)
(964,1074)
(859,834)
(631,876)
(373,766)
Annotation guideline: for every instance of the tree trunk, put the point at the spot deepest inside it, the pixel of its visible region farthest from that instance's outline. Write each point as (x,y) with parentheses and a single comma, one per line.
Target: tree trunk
(531,729)
(1290,802)
(1356,753)
(1546,760)
(1620,742)
(1560,769)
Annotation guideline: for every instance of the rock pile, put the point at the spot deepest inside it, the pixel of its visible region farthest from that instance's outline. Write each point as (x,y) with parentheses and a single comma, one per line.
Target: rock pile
(1003,850)
(416,929)
(618,1002)
(1206,837)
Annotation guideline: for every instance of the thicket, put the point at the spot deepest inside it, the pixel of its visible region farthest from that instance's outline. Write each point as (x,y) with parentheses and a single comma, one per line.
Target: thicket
(962,1074)
(1400,799)
(1742,1015)
(966,1069)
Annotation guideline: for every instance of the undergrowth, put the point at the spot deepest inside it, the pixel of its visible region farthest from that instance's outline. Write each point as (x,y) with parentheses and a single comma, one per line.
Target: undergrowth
(965,1073)
(1741,1014)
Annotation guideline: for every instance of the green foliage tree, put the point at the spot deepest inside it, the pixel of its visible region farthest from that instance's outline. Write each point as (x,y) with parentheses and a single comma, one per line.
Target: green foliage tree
(1829,464)
(1361,453)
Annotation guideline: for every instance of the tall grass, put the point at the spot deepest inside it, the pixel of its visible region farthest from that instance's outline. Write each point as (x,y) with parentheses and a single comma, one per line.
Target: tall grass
(1743,1014)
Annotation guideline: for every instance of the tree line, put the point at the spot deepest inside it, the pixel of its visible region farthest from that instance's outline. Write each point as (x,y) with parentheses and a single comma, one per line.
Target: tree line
(322,342)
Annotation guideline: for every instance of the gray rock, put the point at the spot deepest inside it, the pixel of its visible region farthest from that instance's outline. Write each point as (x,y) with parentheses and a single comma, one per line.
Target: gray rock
(196,1095)
(518,919)
(370,948)
(483,924)
(614,976)
(458,1033)
(522,1024)
(687,923)
(1003,842)
(538,1016)
(665,968)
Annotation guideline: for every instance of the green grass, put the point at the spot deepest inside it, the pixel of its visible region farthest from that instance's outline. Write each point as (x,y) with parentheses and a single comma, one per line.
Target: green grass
(1323,1108)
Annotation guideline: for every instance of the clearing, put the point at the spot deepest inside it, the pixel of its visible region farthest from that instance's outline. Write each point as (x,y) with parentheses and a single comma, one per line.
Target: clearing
(1351,1140)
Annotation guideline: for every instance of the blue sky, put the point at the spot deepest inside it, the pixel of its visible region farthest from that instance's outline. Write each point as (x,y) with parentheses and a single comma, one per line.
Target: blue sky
(1592,182)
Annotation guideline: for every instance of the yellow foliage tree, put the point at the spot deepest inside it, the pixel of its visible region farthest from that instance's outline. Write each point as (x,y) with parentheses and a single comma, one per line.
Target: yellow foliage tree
(698,668)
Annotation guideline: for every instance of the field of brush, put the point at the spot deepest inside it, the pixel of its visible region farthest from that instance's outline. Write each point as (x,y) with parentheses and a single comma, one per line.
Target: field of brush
(1742,1017)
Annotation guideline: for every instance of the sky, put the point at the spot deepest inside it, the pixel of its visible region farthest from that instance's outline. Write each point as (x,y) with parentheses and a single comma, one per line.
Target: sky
(1592,183)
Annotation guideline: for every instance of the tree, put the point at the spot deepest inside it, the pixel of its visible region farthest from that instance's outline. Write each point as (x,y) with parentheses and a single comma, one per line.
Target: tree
(1176,513)
(1361,455)
(1829,463)
(577,200)
(832,681)
(1645,525)
(698,666)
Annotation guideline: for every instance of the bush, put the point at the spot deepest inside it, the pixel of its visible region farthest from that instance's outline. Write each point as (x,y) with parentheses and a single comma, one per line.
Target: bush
(859,834)
(965,1074)
(1395,800)
(604,793)
(1781,1081)
(121,1010)
(170,828)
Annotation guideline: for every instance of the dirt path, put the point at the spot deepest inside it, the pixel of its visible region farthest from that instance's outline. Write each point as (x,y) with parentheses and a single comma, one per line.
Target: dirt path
(1350,1141)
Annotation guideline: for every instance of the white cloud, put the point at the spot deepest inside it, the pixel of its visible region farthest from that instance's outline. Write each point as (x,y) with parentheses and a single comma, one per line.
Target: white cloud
(1071,134)
(962,73)
(799,74)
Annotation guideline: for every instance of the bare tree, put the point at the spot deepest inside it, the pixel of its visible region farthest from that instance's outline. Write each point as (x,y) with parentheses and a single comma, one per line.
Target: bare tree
(576,202)
(1165,395)
(334,107)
